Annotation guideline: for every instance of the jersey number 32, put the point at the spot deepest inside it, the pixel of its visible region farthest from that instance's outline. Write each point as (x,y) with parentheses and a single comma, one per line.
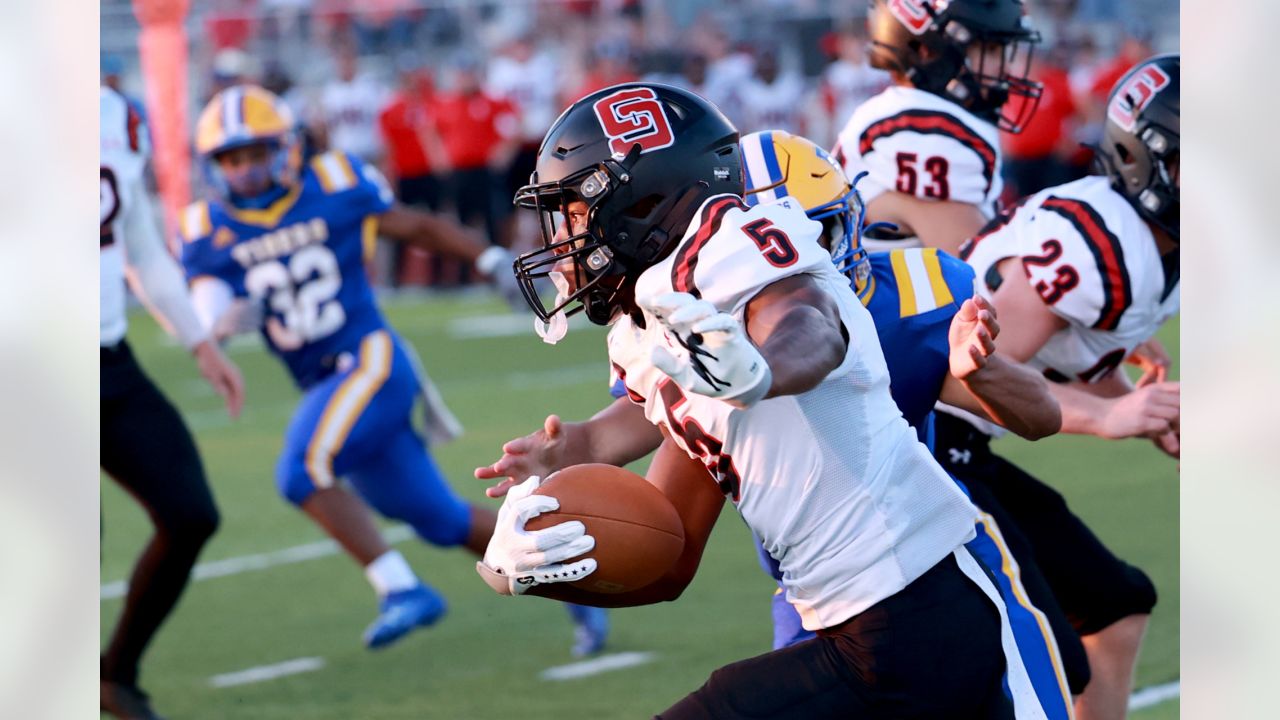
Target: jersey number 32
(302,294)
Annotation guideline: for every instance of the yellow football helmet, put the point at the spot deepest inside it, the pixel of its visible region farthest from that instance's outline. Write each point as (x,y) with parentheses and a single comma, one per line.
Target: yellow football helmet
(244,115)
(778,164)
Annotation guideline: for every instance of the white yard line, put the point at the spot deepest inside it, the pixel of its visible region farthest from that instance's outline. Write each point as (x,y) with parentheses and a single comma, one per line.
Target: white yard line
(267,672)
(1154,695)
(491,326)
(595,666)
(261,561)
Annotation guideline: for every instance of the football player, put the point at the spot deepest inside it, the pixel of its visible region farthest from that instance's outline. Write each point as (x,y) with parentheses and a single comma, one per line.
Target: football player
(753,358)
(1083,275)
(914,296)
(919,301)
(146,447)
(930,143)
(282,247)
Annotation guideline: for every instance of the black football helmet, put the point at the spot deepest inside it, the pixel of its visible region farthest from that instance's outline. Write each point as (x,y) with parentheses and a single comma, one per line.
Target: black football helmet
(1139,149)
(643,157)
(928,42)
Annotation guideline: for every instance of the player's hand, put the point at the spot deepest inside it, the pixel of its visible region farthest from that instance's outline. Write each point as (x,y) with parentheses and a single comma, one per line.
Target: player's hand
(538,453)
(496,263)
(1170,444)
(972,337)
(1151,412)
(1153,359)
(222,374)
(715,358)
(518,559)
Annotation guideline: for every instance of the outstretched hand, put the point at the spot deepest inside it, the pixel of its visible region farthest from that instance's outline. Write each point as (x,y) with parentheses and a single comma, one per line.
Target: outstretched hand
(538,453)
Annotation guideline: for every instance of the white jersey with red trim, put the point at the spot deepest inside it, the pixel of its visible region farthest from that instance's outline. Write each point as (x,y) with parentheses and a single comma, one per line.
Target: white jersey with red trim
(1094,262)
(920,144)
(833,481)
(123,157)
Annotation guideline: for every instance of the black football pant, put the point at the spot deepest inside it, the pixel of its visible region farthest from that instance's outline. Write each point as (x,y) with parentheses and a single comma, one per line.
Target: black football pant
(1080,585)
(932,651)
(147,449)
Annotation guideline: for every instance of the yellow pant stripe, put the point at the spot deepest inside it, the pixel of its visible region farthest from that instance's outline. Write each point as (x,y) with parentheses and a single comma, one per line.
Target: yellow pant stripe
(346,406)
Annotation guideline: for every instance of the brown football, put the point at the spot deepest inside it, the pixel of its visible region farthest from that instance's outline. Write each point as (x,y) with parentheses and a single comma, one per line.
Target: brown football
(638,532)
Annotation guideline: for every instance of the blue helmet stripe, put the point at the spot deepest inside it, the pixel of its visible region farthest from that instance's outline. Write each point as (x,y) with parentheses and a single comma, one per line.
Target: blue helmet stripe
(771,162)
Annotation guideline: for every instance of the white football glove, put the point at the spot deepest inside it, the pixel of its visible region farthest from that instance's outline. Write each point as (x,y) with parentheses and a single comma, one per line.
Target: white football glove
(718,361)
(518,559)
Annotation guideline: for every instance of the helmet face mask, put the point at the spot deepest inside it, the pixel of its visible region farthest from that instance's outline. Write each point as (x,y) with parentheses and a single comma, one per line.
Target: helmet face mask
(976,53)
(641,158)
(593,273)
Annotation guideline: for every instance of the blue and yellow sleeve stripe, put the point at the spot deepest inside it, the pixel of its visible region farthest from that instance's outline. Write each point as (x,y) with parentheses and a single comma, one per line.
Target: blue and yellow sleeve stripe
(334,171)
(921,285)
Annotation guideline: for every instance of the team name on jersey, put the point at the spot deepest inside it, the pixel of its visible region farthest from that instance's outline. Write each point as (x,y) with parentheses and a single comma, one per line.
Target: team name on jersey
(281,242)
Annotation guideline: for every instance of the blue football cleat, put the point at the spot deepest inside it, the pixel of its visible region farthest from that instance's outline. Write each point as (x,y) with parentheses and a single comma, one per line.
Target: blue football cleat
(402,611)
(590,629)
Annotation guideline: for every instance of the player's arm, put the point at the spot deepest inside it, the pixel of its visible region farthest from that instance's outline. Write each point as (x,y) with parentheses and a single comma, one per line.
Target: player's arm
(943,224)
(158,281)
(983,382)
(1109,408)
(798,330)
(617,435)
(697,499)
(792,338)
(438,235)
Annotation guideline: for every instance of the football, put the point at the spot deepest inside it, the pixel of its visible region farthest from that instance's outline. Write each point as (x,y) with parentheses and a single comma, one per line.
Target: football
(638,532)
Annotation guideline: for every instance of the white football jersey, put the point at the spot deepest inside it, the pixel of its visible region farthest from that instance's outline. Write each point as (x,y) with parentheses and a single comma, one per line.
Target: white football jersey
(532,87)
(832,481)
(1094,262)
(123,161)
(920,144)
(351,115)
(778,105)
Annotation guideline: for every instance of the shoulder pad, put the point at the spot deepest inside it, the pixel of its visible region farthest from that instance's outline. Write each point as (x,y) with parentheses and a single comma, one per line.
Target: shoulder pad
(335,171)
(194,222)
(736,251)
(1084,253)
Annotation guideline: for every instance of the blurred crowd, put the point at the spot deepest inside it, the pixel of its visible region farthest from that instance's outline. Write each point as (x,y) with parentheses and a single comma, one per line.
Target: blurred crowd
(450,99)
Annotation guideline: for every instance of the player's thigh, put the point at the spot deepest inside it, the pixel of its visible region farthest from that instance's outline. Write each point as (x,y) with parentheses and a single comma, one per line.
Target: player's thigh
(345,418)
(402,481)
(804,682)
(147,449)
(1092,585)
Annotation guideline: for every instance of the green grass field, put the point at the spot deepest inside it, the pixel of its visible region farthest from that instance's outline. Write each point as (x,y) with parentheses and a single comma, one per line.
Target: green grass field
(484,659)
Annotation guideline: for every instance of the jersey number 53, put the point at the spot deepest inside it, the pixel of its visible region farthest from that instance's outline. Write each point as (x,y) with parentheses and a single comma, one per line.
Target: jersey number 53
(301,294)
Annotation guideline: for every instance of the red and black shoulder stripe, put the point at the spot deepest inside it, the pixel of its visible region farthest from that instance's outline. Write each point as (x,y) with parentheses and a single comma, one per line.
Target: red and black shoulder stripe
(1004,217)
(708,225)
(932,122)
(1116,292)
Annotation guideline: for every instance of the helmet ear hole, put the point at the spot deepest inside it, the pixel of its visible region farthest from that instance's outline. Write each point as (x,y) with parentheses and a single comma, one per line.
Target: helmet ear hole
(1123,153)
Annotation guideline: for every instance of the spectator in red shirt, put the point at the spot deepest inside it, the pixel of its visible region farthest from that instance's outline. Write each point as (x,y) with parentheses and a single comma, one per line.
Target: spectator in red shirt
(415,161)
(480,135)
(415,153)
(1039,156)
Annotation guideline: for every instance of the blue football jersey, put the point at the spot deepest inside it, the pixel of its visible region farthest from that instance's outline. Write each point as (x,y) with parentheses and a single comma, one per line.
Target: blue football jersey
(912,296)
(303,257)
